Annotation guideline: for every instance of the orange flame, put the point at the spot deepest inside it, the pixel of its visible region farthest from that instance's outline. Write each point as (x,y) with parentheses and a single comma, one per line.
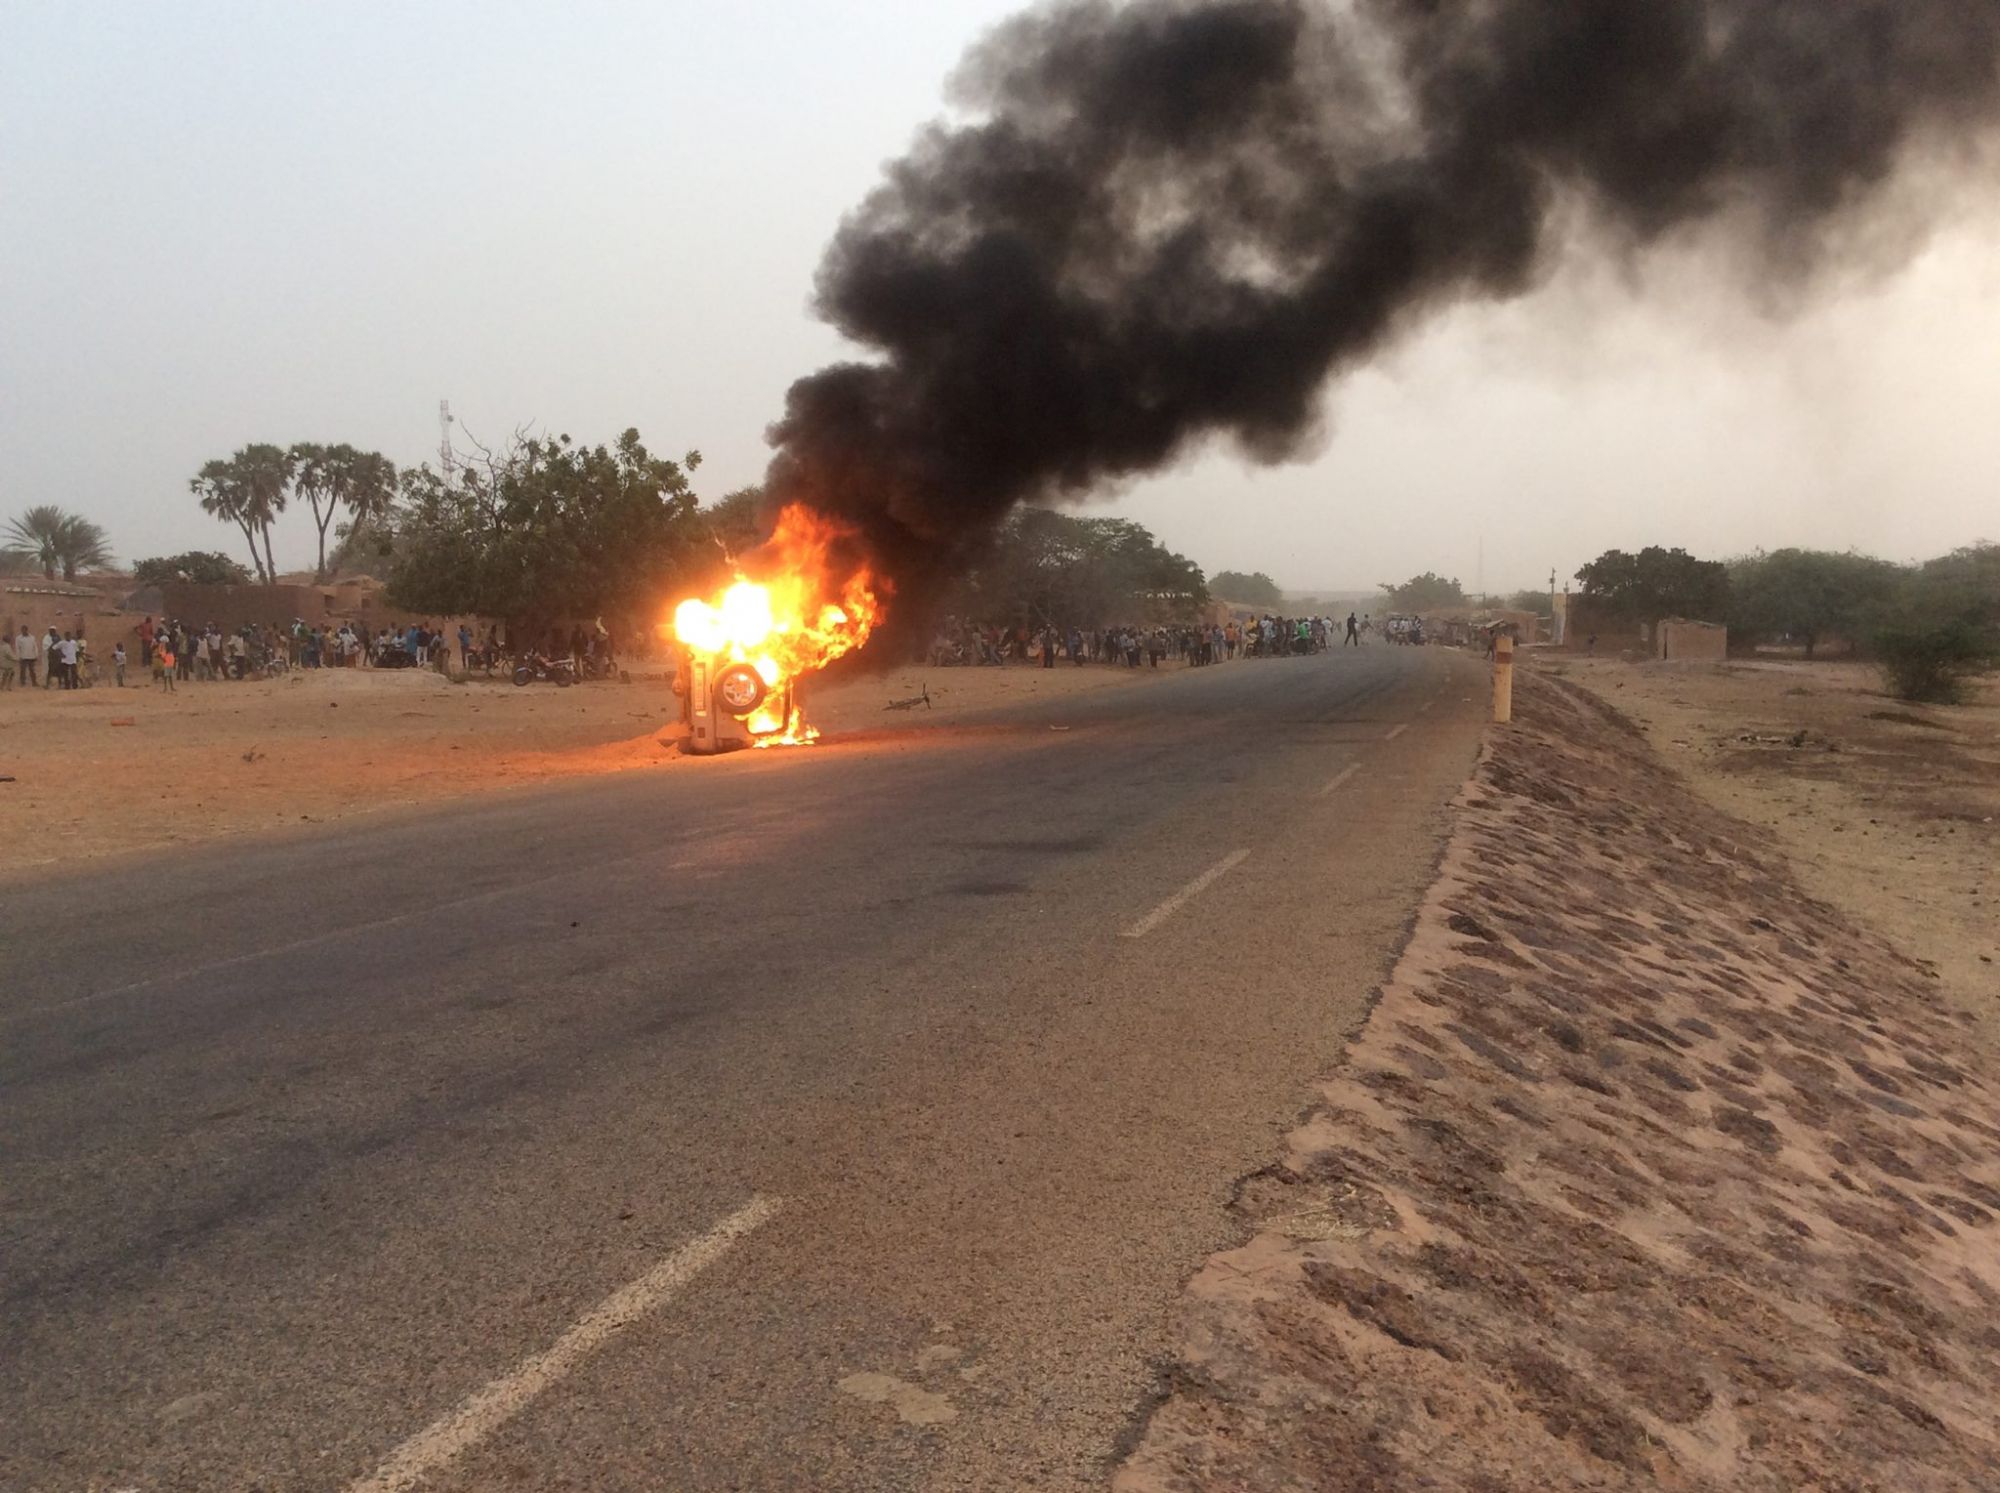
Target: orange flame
(793,619)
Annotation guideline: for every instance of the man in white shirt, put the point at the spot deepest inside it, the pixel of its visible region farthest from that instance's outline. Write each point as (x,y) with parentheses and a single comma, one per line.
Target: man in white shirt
(28,649)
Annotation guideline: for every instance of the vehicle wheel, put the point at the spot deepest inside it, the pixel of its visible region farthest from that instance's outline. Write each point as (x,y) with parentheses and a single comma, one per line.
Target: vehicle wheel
(522,673)
(563,679)
(741,689)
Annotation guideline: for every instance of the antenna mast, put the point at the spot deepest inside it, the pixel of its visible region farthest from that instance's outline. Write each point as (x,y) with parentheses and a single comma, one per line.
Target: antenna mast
(445,459)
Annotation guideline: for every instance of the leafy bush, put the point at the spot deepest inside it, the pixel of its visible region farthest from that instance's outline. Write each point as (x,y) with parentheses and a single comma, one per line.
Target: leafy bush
(1932,663)
(1422,593)
(203,567)
(1255,589)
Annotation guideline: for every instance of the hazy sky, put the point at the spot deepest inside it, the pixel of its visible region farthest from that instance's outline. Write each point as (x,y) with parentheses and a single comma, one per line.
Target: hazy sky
(226,223)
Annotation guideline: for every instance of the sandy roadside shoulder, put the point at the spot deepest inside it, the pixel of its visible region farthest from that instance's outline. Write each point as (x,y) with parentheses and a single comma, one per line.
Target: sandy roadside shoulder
(1648,1170)
(105,771)
(1889,811)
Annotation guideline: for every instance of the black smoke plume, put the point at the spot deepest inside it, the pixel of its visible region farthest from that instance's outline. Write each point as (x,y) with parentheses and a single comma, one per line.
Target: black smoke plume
(1172,221)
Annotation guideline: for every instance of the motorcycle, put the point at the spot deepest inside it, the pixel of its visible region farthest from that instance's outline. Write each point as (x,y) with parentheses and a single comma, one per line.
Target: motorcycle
(533,666)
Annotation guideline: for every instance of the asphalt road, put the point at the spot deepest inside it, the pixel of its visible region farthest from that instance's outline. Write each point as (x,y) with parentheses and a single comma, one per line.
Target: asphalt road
(845,1119)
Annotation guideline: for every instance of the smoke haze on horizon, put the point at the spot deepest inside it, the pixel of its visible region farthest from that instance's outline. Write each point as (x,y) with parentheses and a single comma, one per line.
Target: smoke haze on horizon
(638,249)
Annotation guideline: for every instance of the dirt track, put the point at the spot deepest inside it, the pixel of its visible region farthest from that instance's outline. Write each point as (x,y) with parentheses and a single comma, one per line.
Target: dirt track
(1647,1171)
(102,771)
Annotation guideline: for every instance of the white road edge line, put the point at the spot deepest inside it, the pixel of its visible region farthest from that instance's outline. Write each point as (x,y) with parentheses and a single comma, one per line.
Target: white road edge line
(484,1411)
(1194,888)
(1395,731)
(1345,773)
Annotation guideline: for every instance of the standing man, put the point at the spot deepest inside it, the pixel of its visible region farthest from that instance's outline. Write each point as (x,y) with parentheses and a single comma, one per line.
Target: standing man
(66,650)
(1353,631)
(27,649)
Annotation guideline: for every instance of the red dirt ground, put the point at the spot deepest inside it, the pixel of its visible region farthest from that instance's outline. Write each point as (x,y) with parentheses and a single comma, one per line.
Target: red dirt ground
(1647,1172)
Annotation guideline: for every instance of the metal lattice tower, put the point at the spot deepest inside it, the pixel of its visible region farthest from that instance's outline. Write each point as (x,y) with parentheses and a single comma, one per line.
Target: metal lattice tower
(445,459)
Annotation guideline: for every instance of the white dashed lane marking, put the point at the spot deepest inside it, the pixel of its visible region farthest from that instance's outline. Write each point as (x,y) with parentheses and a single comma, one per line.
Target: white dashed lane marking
(1193,889)
(484,1411)
(1344,774)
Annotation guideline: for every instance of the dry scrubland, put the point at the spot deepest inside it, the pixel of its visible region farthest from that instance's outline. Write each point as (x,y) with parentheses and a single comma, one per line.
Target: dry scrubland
(101,771)
(1650,1169)
(1889,811)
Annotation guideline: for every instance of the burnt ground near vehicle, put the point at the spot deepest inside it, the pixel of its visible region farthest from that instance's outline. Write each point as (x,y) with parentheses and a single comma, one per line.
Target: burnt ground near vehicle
(1648,1170)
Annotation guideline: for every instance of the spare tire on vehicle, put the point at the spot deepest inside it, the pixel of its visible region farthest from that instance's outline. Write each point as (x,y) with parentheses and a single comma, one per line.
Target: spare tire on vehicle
(740,689)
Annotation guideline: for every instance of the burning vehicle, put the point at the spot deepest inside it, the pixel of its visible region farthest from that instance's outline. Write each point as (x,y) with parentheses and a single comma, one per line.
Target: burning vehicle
(795,606)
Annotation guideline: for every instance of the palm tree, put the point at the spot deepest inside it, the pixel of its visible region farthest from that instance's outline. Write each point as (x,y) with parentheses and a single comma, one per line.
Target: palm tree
(224,494)
(267,472)
(57,541)
(249,490)
(329,477)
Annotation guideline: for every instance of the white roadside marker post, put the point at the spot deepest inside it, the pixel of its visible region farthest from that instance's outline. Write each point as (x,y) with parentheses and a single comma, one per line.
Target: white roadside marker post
(1503,679)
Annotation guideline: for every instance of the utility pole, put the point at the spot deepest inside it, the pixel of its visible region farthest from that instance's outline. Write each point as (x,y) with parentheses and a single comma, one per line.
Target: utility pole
(444,439)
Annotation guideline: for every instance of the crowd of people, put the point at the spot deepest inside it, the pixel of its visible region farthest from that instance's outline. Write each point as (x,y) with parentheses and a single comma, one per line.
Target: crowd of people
(172,651)
(54,659)
(1134,646)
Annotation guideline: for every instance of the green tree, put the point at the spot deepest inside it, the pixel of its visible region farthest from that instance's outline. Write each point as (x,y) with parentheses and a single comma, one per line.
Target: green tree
(736,521)
(1808,595)
(199,567)
(1255,589)
(250,490)
(267,475)
(1931,662)
(1422,593)
(332,478)
(1529,601)
(1655,583)
(1047,567)
(546,531)
(1964,585)
(1942,626)
(220,489)
(57,540)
